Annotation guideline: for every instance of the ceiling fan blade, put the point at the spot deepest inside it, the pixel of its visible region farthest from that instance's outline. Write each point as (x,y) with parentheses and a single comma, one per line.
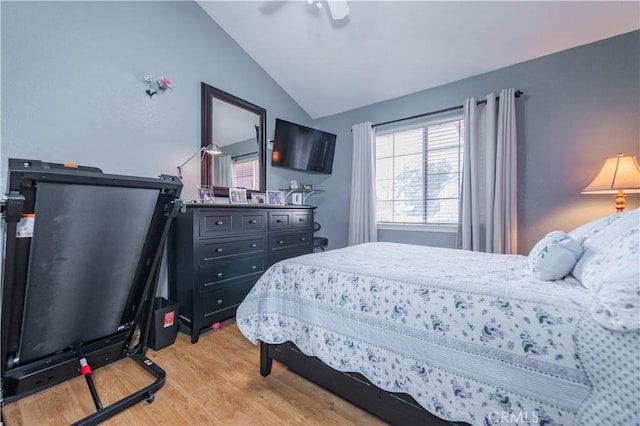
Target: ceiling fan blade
(339,9)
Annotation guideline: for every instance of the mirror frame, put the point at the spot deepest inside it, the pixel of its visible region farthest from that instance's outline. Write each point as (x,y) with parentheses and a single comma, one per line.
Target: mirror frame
(208,94)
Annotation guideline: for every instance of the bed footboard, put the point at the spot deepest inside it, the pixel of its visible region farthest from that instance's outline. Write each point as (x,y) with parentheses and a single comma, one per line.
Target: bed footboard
(394,408)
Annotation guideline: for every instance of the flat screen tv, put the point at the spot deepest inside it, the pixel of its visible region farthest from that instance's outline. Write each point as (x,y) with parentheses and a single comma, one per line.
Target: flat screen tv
(302,148)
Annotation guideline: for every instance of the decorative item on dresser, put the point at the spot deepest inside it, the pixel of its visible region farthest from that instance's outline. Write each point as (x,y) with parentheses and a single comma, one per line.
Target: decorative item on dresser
(238,195)
(275,198)
(218,252)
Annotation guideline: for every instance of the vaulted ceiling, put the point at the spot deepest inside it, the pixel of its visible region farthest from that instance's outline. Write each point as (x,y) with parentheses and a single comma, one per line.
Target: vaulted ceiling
(386,49)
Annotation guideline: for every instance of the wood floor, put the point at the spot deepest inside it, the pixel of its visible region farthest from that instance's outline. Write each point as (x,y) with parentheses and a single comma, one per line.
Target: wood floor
(214,382)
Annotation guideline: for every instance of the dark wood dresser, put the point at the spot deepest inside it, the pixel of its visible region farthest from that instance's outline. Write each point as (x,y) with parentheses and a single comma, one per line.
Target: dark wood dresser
(218,252)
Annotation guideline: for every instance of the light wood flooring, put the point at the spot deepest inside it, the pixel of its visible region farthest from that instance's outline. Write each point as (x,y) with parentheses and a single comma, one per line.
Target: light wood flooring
(214,382)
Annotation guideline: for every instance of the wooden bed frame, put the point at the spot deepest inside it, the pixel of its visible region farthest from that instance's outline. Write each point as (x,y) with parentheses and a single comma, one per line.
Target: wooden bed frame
(395,408)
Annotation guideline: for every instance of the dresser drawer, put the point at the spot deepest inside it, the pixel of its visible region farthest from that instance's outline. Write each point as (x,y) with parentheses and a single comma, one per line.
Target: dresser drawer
(212,224)
(218,272)
(217,249)
(282,241)
(279,220)
(254,222)
(301,220)
(217,223)
(225,297)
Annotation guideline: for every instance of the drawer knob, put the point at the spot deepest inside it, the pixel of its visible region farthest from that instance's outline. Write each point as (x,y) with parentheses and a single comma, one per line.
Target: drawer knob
(219,222)
(301,220)
(303,239)
(219,274)
(253,221)
(219,250)
(278,221)
(253,267)
(280,242)
(219,301)
(254,245)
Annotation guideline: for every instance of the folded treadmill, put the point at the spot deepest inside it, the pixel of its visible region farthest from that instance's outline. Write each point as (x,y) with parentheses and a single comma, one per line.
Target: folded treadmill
(81,262)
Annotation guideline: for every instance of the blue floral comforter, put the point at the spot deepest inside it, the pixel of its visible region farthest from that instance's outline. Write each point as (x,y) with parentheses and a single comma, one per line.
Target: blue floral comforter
(472,337)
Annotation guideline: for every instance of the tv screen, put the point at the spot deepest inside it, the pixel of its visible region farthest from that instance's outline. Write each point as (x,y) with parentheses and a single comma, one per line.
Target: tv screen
(302,148)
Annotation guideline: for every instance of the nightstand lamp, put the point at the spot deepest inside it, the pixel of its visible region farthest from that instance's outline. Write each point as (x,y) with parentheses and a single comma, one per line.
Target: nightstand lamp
(211,149)
(619,174)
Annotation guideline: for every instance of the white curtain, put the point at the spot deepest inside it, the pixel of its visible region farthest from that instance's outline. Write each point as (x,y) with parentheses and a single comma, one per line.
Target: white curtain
(227,175)
(362,212)
(488,203)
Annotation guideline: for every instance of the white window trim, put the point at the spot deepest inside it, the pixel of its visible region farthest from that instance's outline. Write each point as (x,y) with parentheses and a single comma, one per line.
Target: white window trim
(409,124)
(246,158)
(419,227)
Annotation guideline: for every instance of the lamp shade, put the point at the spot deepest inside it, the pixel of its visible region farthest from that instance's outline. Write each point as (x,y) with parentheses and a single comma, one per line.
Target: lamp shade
(213,149)
(618,173)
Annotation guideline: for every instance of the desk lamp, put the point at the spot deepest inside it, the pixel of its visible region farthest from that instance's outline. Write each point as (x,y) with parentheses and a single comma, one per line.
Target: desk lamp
(211,149)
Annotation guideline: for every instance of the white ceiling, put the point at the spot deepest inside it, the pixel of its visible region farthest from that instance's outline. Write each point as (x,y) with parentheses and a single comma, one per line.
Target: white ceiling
(386,49)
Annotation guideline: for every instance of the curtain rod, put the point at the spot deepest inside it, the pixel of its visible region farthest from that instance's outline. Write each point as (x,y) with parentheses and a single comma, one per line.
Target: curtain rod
(243,155)
(440,111)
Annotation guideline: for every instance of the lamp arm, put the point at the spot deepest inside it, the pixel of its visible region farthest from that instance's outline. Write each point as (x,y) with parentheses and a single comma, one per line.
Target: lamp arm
(189,159)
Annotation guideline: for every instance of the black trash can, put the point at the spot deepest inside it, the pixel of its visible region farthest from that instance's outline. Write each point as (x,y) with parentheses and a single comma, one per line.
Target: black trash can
(164,327)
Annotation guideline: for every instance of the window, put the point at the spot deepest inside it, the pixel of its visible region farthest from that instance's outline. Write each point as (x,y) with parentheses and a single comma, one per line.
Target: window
(246,173)
(418,172)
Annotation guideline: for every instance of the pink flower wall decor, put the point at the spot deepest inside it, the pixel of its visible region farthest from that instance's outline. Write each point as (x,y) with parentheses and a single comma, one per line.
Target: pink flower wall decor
(161,84)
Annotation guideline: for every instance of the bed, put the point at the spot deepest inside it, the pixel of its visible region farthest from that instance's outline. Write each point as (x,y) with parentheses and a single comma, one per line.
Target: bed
(412,332)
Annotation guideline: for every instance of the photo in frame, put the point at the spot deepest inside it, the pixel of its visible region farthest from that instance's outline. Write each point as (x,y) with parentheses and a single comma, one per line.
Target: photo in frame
(237,196)
(297,198)
(275,198)
(205,194)
(259,198)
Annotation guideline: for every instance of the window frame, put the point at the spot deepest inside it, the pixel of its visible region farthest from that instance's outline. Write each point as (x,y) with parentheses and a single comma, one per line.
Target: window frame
(412,124)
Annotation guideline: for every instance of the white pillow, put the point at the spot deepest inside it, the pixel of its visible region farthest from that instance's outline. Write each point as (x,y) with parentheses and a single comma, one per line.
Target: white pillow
(554,256)
(617,304)
(607,231)
(584,233)
(613,275)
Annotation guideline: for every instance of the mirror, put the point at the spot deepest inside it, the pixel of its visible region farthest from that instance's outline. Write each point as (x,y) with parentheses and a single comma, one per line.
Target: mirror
(238,128)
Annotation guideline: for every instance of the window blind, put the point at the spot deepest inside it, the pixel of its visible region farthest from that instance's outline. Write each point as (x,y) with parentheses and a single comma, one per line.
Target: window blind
(418,171)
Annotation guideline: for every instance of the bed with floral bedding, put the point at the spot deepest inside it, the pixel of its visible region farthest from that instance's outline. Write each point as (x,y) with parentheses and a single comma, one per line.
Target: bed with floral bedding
(551,338)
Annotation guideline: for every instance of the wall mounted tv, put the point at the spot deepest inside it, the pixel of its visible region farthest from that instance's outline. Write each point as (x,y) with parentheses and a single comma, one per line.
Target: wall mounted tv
(302,148)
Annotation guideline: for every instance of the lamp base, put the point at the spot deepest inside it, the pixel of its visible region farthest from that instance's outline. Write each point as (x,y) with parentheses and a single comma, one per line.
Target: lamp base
(620,201)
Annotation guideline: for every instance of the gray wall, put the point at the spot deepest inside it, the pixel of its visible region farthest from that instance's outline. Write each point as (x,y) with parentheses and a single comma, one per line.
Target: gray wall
(580,107)
(73,91)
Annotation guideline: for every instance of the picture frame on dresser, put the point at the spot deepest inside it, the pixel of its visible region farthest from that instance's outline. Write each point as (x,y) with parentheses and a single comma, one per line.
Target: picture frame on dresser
(205,194)
(258,198)
(297,198)
(237,196)
(275,198)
